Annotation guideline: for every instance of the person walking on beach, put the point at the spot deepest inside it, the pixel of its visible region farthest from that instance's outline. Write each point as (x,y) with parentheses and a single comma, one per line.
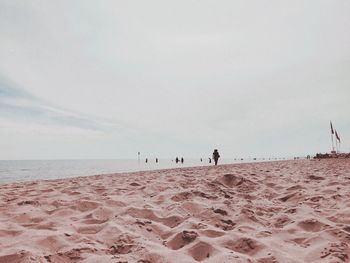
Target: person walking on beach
(182,160)
(216,156)
(176,160)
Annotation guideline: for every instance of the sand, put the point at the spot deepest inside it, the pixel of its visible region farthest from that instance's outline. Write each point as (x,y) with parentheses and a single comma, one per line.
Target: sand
(288,211)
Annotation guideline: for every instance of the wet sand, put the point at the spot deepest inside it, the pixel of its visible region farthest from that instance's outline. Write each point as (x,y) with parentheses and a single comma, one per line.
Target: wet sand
(287,211)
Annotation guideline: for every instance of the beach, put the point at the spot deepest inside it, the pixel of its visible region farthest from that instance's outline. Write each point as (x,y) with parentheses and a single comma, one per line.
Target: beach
(282,211)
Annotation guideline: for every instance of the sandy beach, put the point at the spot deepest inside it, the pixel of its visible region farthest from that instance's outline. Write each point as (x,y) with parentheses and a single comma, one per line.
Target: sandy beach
(286,211)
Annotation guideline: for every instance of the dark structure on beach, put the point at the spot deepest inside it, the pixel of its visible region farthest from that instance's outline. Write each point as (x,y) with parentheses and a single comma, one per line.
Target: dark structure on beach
(331,155)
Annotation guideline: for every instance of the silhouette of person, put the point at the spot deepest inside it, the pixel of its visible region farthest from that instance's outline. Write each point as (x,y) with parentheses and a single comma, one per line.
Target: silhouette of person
(146,160)
(176,160)
(209,160)
(182,160)
(201,160)
(216,156)
(156,160)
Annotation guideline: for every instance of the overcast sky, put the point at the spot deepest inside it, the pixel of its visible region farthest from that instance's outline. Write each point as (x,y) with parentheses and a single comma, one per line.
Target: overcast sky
(106,79)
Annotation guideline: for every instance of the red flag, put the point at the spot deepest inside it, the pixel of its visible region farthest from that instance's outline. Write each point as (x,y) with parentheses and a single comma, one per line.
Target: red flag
(332,128)
(337,136)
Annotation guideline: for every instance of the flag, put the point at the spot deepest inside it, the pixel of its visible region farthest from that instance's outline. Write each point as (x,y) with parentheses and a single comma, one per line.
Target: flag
(332,128)
(337,136)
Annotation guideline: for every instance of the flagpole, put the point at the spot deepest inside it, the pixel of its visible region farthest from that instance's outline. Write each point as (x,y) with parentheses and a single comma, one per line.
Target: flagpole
(337,140)
(332,142)
(336,146)
(332,132)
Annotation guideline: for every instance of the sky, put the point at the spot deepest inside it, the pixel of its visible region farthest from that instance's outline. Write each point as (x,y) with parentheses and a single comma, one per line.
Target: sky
(107,79)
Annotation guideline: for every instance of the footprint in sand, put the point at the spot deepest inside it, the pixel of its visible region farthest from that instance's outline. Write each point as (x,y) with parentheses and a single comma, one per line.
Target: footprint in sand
(282,221)
(84,205)
(311,225)
(73,255)
(181,196)
(226,225)
(123,245)
(98,216)
(171,221)
(244,245)
(143,223)
(182,239)
(240,183)
(201,251)
(204,195)
(220,211)
(51,244)
(231,180)
(21,256)
(301,241)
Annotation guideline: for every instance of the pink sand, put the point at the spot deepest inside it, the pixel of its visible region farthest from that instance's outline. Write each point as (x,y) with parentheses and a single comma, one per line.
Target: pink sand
(288,212)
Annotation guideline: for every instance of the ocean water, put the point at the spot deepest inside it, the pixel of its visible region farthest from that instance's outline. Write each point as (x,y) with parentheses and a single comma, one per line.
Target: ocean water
(28,170)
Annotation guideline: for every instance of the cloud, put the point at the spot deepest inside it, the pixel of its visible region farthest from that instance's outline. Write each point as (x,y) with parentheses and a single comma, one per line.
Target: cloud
(19,105)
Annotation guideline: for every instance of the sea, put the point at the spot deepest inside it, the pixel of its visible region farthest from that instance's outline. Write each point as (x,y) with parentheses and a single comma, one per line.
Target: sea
(30,170)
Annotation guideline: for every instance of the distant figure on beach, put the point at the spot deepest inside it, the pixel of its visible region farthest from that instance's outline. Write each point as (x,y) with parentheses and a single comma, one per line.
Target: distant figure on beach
(209,160)
(201,160)
(216,156)
(146,160)
(156,160)
(176,160)
(182,160)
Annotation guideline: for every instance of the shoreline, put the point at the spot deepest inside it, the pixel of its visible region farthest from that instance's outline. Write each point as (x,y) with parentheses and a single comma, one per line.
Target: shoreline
(149,170)
(225,213)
